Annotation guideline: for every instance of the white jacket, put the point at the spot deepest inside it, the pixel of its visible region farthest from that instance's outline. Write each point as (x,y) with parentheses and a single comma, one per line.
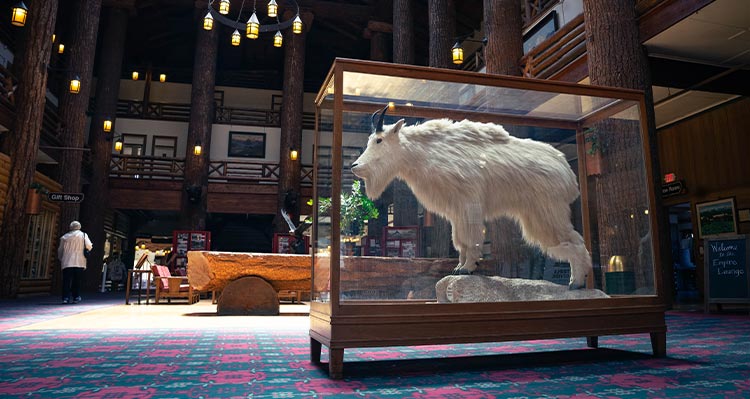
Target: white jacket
(70,251)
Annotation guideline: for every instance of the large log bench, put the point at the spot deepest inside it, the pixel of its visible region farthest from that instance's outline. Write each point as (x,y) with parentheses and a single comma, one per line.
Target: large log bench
(249,283)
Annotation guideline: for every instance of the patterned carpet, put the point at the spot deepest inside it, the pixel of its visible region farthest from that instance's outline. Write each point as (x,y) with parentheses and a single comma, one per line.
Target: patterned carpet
(708,357)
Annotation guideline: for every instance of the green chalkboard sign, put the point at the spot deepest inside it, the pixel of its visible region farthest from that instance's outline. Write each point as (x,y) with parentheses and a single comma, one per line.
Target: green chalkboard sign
(726,262)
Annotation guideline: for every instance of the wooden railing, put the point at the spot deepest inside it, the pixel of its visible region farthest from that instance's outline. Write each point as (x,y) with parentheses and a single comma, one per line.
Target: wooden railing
(552,55)
(162,168)
(534,8)
(222,114)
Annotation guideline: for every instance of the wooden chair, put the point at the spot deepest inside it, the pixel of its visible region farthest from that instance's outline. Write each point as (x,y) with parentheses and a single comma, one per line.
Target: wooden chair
(169,287)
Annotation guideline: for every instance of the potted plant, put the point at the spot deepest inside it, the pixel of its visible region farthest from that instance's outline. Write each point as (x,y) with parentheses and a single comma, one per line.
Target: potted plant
(593,161)
(356,209)
(34,198)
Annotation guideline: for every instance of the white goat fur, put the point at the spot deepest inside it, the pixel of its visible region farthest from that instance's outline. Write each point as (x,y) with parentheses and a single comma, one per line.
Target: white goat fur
(471,172)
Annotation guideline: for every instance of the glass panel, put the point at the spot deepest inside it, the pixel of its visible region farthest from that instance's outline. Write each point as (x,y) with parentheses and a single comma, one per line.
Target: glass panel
(362,87)
(322,225)
(512,203)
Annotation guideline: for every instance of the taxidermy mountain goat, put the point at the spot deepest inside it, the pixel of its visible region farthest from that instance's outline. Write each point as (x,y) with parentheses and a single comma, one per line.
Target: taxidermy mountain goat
(471,172)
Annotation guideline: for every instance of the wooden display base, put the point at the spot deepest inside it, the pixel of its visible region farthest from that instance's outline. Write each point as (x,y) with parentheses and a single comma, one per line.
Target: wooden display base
(359,324)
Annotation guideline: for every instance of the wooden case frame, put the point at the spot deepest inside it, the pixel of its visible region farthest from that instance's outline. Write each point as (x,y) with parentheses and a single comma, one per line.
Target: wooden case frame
(341,324)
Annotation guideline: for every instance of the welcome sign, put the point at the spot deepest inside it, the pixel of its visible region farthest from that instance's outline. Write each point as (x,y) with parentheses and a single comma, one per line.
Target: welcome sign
(726,261)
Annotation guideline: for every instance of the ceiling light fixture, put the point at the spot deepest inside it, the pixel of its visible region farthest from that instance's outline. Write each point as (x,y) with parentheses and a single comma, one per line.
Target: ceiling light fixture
(253,27)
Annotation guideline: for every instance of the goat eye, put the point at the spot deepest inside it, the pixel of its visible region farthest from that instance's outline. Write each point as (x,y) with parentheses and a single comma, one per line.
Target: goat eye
(378,141)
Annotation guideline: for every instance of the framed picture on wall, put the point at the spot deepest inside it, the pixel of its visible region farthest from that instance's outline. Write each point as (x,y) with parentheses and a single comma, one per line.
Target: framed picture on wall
(247,145)
(716,218)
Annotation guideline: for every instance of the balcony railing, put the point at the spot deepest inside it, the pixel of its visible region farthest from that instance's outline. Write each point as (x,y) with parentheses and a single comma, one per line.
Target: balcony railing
(222,114)
(557,51)
(162,168)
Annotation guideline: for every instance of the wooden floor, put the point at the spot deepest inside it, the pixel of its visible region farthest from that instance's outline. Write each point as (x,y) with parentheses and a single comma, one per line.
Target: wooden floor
(201,315)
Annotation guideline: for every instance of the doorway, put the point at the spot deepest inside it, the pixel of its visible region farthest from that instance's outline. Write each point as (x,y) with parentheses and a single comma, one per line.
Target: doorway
(683,254)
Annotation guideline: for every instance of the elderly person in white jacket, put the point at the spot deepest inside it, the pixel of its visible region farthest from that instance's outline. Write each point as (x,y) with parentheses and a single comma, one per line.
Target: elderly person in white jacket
(73,261)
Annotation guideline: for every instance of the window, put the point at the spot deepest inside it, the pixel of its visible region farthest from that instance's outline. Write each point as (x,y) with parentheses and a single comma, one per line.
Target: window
(133,144)
(163,146)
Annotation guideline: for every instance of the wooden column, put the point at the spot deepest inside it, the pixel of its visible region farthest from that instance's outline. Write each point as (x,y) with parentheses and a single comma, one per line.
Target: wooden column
(79,62)
(95,208)
(291,122)
(504,31)
(503,27)
(378,33)
(23,139)
(403,31)
(442,21)
(73,107)
(195,186)
(442,35)
(617,58)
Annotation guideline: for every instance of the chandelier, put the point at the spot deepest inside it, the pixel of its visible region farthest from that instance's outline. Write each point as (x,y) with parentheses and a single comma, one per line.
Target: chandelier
(252,27)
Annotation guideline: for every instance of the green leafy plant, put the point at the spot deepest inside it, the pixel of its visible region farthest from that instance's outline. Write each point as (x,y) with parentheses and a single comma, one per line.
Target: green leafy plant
(39,188)
(356,209)
(592,136)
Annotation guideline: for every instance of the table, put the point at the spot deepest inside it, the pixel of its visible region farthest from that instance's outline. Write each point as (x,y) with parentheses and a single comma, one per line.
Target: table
(132,275)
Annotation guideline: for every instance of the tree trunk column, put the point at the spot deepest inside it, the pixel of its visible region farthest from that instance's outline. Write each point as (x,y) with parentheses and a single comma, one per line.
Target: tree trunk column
(195,186)
(503,28)
(377,32)
(291,122)
(442,21)
(80,62)
(107,91)
(23,140)
(617,58)
(403,32)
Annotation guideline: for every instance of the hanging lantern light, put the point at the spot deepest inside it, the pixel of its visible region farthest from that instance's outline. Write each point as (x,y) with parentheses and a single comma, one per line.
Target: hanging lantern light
(135,75)
(253,27)
(163,78)
(278,39)
(458,54)
(75,85)
(236,37)
(118,144)
(224,7)
(208,21)
(297,25)
(273,9)
(19,14)
(60,48)
(293,154)
(198,148)
(107,125)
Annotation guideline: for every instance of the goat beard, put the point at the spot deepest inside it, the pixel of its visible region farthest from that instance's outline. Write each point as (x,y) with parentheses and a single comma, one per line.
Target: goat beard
(374,187)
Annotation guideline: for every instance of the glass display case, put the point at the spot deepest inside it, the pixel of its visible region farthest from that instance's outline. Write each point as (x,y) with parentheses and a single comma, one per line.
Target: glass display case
(528,209)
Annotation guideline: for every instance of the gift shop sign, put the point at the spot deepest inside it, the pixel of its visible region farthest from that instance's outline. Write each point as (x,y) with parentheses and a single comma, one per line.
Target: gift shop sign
(75,198)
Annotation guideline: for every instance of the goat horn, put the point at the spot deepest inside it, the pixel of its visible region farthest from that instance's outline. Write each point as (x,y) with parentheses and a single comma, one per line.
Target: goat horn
(379,127)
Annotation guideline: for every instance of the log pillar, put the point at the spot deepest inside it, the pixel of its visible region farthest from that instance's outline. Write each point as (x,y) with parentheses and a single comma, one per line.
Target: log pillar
(23,140)
(289,193)
(114,24)
(442,22)
(503,26)
(378,34)
(73,107)
(403,31)
(193,208)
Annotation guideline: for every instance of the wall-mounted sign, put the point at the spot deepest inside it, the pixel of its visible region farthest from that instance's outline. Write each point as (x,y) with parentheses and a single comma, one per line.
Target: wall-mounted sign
(673,188)
(66,197)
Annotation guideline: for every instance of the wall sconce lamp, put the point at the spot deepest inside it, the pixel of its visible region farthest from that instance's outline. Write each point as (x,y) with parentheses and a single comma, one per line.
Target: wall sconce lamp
(107,127)
(75,85)
(163,77)
(293,154)
(457,52)
(118,141)
(60,48)
(134,75)
(198,148)
(20,11)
